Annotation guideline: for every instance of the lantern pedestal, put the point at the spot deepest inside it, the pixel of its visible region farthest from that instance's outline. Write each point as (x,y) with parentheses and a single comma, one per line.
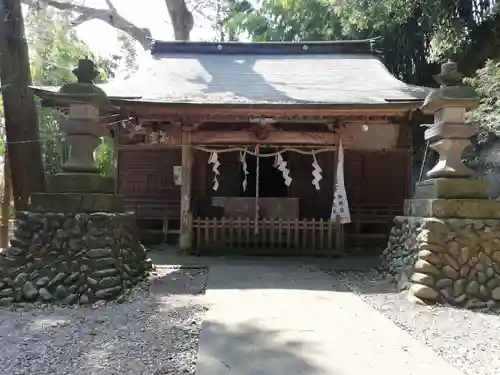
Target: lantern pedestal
(446,247)
(75,244)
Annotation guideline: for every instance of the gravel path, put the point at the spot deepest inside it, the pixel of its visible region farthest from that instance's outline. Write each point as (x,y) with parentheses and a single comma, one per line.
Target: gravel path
(467,339)
(155,333)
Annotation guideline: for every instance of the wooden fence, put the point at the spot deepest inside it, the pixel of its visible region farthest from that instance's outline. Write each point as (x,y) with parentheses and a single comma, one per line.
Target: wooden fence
(297,237)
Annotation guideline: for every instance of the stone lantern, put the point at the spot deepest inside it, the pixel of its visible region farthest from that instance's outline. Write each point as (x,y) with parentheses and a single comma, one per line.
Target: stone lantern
(449,135)
(82,126)
(80,187)
(445,247)
(75,244)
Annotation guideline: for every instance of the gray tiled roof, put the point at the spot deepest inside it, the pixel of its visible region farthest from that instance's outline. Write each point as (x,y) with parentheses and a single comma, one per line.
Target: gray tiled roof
(265,78)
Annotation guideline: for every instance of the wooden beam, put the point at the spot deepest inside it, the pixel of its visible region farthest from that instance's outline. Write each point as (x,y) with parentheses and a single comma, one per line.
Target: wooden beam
(272,137)
(185,240)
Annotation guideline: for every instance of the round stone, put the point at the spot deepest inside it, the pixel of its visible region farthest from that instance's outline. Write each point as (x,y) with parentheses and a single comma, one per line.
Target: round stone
(481,278)
(430,257)
(435,248)
(460,299)
(45,294)
(495,293)
(472,288)
(444,283)
(84,299)
(422,278)
(424,266)
(485,259)
(459,287)
(424,292)
(450,272)
(451,261)
(29,291)
(99,253)
(7,292)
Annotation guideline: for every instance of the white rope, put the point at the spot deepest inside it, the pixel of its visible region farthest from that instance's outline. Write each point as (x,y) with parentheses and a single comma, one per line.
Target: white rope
(232,149)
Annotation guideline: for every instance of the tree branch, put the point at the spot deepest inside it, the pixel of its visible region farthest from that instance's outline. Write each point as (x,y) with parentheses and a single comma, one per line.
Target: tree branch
(111,6)
(109,16)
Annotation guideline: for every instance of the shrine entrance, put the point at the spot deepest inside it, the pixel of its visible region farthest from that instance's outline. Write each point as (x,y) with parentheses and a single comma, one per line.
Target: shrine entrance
(271,183)
(262,216)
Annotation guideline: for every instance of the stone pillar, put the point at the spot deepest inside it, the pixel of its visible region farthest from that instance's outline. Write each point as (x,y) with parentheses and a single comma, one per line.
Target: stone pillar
(446,247)
(75,244)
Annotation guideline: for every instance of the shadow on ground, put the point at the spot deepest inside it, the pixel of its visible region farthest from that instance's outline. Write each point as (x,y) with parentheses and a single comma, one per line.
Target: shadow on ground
(254,344)
(289,272)
(253,347)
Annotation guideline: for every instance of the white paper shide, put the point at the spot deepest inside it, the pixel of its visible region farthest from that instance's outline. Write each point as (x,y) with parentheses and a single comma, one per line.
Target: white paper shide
(340,204)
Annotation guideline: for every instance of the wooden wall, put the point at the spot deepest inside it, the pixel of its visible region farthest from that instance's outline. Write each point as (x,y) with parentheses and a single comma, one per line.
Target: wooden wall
(371,178)
(145,178)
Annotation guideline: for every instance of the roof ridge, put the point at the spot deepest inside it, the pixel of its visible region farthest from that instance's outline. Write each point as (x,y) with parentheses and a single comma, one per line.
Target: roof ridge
(364,46)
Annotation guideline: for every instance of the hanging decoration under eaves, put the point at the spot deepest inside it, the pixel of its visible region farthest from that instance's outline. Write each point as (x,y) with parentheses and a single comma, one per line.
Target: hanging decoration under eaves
(159,137)
(316,173)
(244,165)
(214,160)
(281,165)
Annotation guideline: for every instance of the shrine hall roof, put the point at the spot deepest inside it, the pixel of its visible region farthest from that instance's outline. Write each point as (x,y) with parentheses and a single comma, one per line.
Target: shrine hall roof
(347,72)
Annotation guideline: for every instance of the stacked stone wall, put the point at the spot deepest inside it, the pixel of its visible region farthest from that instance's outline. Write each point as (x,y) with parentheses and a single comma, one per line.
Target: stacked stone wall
(454,261)
(71,258)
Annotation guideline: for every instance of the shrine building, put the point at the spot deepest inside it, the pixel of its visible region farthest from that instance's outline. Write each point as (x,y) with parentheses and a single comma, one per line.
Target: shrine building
(264,148)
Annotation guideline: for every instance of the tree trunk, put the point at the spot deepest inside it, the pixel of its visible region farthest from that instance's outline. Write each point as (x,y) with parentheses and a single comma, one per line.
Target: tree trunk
(20,111)
(181,17)
(7,197)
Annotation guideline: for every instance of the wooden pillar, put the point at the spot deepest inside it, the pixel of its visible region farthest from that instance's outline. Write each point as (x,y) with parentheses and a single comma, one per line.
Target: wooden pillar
(185,240)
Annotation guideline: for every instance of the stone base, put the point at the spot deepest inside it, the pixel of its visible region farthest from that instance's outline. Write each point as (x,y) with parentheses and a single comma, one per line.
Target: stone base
(76,202)
(80,183)
(452,189)
(71,258)
(452,208)
(454,261)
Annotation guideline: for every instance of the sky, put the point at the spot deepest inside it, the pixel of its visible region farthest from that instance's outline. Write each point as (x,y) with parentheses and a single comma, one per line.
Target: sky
(143,13)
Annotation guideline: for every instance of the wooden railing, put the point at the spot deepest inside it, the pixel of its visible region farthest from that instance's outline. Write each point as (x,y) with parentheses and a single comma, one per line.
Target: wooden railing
(153,208)
(380,216)
(297,237)
(375,214)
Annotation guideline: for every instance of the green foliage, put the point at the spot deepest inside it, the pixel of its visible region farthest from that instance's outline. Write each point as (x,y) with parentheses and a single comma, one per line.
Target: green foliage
(282,20)
(416,35)
(104,155)
(128,50)
(445,24)
(487,113)
(55,49)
